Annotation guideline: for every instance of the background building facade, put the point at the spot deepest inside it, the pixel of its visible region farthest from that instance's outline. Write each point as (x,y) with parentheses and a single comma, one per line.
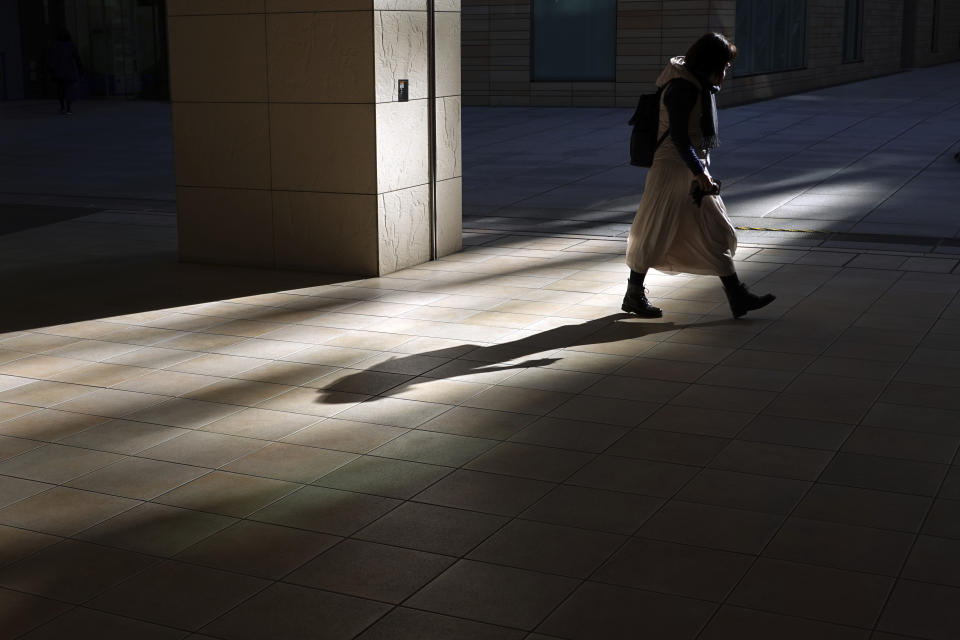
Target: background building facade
(607,52)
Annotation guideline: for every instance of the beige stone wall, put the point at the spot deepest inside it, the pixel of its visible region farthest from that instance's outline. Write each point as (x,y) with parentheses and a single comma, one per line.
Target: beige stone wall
(291,148)
(496,49)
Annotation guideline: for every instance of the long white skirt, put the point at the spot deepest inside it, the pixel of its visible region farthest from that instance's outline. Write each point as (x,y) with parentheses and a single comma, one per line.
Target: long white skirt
(670,233)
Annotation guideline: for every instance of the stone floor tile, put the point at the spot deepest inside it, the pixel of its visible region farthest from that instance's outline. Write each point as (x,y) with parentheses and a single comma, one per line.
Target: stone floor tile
(15,489)
(240,392)
(56,464)
(595,509)
(617,613)
(885,474)
(18,543)
(667,446)
(744,378)
(290,462)
(912,418)
(43,393)
(934,560)
(277,372)
(749,624)
(514,399)
(123,436)
(658,479)
(261,423)
(706,422)
(570,434)
(796,432)
(87,623)
(683,570)
(629,388)
(359,381)
(548,548)
(714,397)
(215,364)
(665,370)
(394,412)
(229,494)
(257,549)
(484,492)
(48,425)
(431,528)
(138,478)
(22,612)
(62,511)
(167,383)
(435,448)
(112,403)
(373,571)
(183,412)
(830,595)
(497,595)
(530,461)
(40,367)
(339,513)
(783,362)
(613,411)
(410,624)
(383,476)
(478,423)
(203,449)
(288,612)
(918,609)
(72,571)
(744,491)
(854,368)
(157,529)
(864,507)
(178,595)
(841,546)
(894,443)
(345,435)
(711,526)
(772,460)
(10,447)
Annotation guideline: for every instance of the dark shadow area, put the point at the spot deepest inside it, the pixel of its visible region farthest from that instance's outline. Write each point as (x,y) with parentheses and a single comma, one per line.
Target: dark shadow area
(59,293)
(17,217)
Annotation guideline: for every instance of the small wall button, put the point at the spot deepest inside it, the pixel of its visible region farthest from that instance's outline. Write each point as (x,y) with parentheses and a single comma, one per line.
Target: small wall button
(403,90)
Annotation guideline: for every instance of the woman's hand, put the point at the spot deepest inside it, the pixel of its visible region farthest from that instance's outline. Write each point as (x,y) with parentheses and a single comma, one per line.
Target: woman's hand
(706,182)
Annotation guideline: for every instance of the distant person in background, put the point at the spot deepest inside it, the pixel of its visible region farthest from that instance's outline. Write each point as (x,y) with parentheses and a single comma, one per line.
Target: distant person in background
(67,69)
(681,225)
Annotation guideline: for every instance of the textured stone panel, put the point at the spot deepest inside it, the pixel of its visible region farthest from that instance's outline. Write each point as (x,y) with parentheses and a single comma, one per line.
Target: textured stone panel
(404,228)
(218,58)
(448,53)
(221,145)
(449,138)
(324,147)
(210,7)
(225,226)
(402,145)
(320,57)
(449,216)
(333,233)
(400,49)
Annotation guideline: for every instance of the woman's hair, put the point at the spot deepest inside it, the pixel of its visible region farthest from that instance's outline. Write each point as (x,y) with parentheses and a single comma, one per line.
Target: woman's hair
(710,54)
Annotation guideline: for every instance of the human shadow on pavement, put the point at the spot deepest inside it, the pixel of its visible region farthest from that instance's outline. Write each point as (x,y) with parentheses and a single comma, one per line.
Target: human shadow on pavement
(540,349)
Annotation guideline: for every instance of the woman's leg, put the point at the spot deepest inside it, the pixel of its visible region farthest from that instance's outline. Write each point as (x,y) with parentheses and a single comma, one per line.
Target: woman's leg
(635,300)
(740,299)
(62,95)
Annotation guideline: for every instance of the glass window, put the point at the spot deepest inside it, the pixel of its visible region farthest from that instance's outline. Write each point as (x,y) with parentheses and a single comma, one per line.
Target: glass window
(852,28)
(574,40)
(769,35)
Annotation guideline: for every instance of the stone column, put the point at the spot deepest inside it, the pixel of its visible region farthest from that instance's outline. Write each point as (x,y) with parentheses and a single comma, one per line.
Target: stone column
(292,149)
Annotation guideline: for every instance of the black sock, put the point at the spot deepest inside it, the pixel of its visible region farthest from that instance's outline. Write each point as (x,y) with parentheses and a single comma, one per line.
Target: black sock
(730,282)
(636,277)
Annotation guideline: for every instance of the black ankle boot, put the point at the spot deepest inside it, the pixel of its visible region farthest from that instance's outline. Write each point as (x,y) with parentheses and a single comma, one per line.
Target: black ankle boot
(635,301)
(742,301)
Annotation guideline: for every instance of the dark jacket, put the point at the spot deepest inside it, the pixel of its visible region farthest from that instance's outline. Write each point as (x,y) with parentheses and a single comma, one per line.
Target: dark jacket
(65,61)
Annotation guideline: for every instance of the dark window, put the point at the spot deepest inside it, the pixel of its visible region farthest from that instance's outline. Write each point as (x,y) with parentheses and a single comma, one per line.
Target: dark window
(574,40)
(935,28)
(769,35)
(852,30)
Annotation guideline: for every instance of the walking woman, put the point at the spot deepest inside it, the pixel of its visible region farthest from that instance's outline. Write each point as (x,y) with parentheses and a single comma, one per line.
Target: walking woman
(67,69)
(674,230)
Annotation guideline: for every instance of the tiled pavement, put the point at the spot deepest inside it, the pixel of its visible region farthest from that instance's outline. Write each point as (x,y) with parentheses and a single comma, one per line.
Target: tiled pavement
(483,447)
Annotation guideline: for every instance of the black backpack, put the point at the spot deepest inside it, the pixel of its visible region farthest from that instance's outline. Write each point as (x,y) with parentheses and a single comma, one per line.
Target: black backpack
(646,123)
